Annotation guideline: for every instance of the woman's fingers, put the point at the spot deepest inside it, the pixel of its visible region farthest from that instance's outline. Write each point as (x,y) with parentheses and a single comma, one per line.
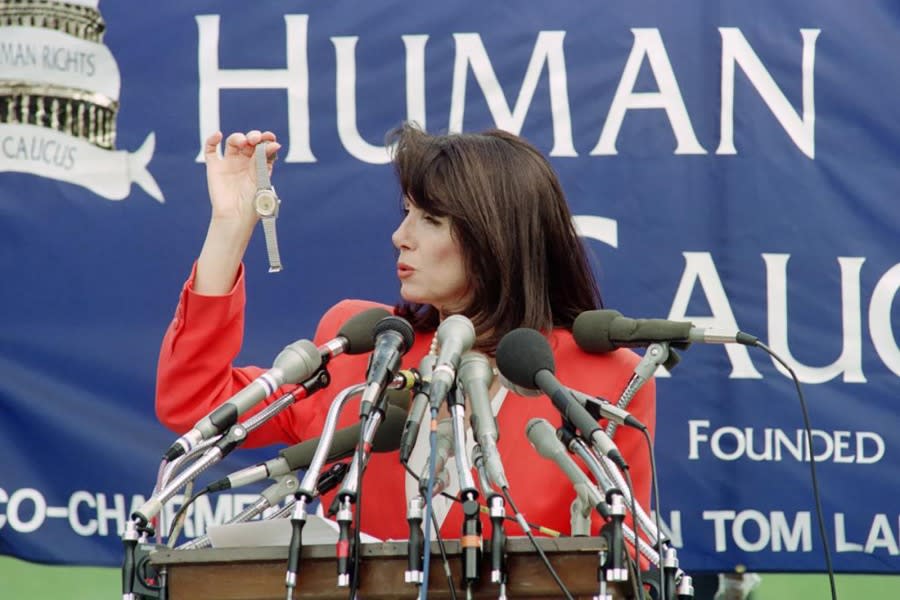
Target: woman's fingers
(212,145)
(242,144)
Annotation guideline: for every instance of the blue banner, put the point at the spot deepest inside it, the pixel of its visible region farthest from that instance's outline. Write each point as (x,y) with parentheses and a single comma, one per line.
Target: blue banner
(732,164)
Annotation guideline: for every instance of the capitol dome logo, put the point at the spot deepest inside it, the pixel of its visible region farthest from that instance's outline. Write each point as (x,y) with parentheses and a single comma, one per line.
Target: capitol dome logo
(59,97)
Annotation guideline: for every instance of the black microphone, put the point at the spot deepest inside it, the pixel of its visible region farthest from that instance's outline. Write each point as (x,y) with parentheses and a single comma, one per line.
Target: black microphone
(525,358)
(455,335)
(299,456)
(356,335)
(393,337)
(602,408)
(607,410)
(600,331)
(296,363)
(419,405)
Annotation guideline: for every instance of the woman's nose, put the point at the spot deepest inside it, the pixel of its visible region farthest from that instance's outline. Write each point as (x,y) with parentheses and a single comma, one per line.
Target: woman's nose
(400,237)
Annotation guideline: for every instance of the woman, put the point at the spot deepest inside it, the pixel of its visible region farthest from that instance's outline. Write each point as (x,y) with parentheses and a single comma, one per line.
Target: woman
(486,233)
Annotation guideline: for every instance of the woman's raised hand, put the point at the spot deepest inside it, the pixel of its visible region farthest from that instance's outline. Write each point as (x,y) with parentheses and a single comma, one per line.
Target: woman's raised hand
(231,176)
(231,179)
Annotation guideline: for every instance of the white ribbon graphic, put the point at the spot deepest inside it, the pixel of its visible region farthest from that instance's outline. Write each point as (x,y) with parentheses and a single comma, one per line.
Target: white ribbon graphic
(44,57)
(49,153)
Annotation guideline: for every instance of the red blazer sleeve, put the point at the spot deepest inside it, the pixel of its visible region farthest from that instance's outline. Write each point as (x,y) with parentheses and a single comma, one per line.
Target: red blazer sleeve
(195,372)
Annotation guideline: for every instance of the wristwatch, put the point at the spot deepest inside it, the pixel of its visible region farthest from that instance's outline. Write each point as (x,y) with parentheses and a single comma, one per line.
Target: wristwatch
(266,203)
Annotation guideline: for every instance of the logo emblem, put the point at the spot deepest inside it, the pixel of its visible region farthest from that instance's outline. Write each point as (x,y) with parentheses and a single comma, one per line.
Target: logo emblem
(59,97)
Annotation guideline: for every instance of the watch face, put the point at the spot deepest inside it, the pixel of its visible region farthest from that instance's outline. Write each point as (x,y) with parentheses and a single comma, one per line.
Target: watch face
(265,203)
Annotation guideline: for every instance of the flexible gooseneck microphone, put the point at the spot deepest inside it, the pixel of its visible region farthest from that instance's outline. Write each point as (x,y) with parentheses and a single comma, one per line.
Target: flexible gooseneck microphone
(295,363)
(299,456)
(524,357)
(600,331)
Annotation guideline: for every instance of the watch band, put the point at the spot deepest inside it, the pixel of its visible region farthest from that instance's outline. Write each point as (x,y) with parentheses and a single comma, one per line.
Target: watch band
(262,169)
(271,244)
(268,221)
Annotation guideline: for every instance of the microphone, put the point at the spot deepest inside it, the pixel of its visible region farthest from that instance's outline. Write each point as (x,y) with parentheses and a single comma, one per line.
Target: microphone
(603,408)
(299,456)
(393,337)
(455,335)
(525,358)
(419,404)
(607,410)
(356,335)
(600,331)
(542,436)
(475,378)
(294,364)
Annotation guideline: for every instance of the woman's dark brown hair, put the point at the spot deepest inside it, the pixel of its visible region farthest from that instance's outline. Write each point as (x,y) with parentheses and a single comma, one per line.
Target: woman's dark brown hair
(525,263)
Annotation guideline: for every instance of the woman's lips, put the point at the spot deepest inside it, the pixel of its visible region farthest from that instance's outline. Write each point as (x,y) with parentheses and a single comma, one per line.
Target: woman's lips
(404,270)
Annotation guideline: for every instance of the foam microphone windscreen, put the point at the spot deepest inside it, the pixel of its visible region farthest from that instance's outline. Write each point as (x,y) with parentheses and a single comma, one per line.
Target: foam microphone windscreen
(521,354)
(640,332)
(359,330)
(591,330)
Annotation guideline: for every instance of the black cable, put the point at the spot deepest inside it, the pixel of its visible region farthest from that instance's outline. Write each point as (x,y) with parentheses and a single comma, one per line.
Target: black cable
(634,570)
(437,534)
(182,512)
(812,468)
(639,592)
(537,548)
(432,466)
(659,536)
(357,509)
(440,541)
(534,526)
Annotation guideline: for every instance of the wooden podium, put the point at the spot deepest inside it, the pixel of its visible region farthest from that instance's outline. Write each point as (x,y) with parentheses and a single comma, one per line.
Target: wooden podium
(258,573)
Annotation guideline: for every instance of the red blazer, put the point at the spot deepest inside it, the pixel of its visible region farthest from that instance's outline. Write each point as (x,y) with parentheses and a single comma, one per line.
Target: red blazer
(195,375)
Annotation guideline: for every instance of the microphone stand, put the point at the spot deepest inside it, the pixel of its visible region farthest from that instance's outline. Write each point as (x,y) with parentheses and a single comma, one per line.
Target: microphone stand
(137,529)
(283,487)
(274,494)
(347,495)
(415,548)
(604,471)
(610,567)
(497,508)
(306,492)
(580,512)
(167,470)
(471,540)
(317,381)
(600,469)
(657,353)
